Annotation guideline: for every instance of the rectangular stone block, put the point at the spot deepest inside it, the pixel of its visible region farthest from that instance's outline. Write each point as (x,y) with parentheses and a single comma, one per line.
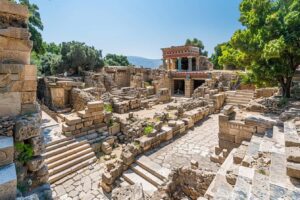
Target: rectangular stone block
(28,97)
(6,150)
(30,108)
(8,182)
(72,120)
(27,127)
(95,104)
(10,104)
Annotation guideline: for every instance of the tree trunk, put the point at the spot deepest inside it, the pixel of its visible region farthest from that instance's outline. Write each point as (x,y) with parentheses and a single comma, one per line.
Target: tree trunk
(286,87)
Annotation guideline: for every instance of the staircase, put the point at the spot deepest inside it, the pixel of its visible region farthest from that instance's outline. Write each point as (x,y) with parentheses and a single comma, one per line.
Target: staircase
(257,182)
(239,97)
(66,156)
(146,173)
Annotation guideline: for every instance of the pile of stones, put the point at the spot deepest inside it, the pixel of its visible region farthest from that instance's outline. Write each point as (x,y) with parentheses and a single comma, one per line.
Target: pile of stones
(187,182)
(80,98)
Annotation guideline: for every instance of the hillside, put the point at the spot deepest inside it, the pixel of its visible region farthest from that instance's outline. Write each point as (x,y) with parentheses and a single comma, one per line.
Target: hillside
(144,62)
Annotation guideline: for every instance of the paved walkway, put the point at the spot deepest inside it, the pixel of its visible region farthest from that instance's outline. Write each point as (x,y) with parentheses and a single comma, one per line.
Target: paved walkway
(50,128)
(197,144)
(83,185)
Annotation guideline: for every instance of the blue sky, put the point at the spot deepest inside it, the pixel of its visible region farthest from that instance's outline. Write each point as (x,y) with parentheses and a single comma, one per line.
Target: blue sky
(139,27)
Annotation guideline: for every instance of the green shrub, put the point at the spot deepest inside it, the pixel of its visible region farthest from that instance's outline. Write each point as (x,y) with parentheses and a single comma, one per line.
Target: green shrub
(25,152)
(148,129)
(111,122)
(108,108)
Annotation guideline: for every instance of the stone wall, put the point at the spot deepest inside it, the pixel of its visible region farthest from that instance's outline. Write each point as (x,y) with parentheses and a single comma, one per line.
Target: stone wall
(21,142)
(80,98)
(85,121)
(265,92)
(186,183)
(55,92)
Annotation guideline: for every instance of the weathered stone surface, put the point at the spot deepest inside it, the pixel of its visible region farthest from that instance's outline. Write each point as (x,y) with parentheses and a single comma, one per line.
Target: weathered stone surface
(6,150)
(27,127)
(38,145)
(293,169)
(132,192)
(8,182)
(35,164)
(293,154)
(10,104)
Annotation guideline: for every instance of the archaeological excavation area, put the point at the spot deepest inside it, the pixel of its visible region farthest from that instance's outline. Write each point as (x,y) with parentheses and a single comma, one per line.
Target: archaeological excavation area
(183,131)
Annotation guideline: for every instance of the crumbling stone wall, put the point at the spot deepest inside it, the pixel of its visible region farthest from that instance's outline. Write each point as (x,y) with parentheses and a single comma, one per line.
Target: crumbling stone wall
(21,142)
(186,183)
(80,98)
(55,92)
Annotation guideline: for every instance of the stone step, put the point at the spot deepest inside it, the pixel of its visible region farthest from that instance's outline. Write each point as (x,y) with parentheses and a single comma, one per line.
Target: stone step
(238,96)
(241,189)
(260,187)
(71,169)
(237,101)
(134,178)
(63,149)
(58,145)
(153,168)
(66,153)
(146,175)
(68,158)
(291,136)
(58,141)
(71,163)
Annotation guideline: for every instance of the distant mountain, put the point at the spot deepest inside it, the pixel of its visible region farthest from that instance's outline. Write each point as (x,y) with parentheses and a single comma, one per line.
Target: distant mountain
(144,62)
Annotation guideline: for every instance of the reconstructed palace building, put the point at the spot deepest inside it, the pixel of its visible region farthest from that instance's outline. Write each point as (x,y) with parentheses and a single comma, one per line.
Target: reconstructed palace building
(188,68)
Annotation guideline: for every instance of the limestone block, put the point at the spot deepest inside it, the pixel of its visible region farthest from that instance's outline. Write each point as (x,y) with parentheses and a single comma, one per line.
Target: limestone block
(27,127)
(10,104)
(6,150)
(72,120)
(293,154)
(293,169)
(28,109)
(95,104)
(8,182)
(28,97)
(35,164)
(114,129)
(14,9)
(38,145)
(14,32)
(106,148)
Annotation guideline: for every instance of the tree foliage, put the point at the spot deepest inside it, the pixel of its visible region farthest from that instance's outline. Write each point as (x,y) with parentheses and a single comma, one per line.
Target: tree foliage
(77,57)
(116,60)
(197,43)
(269,45)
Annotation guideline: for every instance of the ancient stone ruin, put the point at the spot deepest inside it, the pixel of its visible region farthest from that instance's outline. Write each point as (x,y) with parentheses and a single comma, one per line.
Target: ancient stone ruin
(184,131)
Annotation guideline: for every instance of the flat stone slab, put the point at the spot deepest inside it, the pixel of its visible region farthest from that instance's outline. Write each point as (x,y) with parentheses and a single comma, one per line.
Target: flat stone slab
(293,154)
(293,169)
(8,182)
(6,150)
(291,136)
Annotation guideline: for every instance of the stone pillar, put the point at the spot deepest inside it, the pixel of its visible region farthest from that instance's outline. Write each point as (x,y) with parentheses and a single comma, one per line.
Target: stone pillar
(190,64)
(198,63)
(188,87)
(179,65)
